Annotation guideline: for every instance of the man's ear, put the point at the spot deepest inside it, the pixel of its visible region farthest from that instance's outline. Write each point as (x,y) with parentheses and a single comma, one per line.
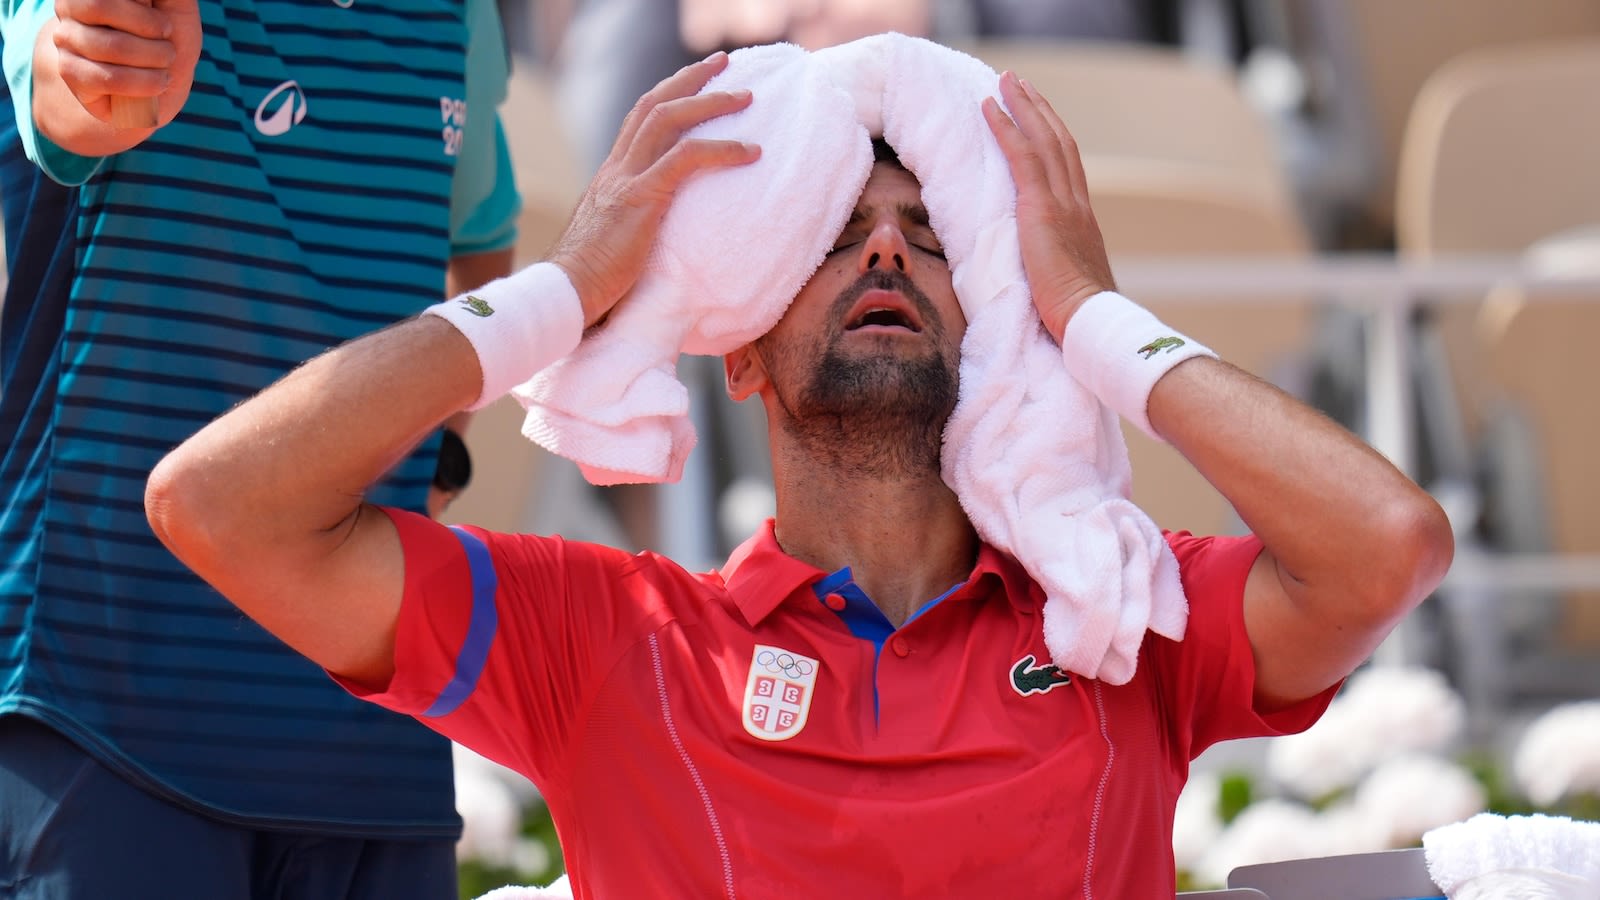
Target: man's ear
(744,372)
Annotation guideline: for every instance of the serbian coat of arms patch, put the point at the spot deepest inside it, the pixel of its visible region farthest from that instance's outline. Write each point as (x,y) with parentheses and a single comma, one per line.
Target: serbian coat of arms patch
(778,693)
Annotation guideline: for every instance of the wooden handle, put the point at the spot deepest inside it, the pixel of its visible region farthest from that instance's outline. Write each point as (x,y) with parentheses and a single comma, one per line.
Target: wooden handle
(136,112)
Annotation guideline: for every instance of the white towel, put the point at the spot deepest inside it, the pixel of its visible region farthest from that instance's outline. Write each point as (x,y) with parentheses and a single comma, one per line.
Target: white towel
(1493,857)
(1038,463)
(735,247)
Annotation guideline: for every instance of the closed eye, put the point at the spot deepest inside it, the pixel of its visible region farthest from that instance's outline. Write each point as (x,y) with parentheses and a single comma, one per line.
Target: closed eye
(934,252)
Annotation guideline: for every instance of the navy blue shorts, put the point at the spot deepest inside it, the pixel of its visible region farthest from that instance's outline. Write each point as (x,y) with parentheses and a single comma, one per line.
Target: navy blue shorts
(70,829)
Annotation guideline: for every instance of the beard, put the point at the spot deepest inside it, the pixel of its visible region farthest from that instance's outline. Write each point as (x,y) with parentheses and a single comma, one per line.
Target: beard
(879,411)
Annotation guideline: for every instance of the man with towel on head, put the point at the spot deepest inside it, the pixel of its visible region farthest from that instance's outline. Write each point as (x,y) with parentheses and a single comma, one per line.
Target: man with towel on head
(861,701)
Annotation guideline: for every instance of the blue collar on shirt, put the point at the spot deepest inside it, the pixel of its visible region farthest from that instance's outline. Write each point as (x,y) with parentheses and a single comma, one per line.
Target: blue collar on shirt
(860,614)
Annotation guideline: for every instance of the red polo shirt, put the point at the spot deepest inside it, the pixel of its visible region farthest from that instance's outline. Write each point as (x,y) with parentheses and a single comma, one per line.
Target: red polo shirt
(754,733)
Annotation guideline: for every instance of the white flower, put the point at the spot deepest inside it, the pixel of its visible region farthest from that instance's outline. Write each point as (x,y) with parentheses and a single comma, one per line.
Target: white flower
(1382,711)
(1196,822)
(1266,831)
(1411,794)
(1331,755)
(1411,707)
(1345,828)
(1559,754)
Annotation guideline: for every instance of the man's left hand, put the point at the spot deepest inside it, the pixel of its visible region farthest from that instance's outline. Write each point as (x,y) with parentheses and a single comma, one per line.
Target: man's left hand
(1063,253)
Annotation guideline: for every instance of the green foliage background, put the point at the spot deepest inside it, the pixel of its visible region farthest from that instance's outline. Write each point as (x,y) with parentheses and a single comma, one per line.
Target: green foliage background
(476,879)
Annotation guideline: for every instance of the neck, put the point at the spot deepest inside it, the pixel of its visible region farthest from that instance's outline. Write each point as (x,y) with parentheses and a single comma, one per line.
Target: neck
(901,530)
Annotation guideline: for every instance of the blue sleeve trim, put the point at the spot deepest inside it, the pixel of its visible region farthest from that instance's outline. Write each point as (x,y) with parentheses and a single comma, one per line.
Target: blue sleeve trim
(480,628)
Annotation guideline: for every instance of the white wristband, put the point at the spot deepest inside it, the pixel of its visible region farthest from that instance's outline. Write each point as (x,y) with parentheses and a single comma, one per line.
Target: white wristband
(517,324)
(1119,350)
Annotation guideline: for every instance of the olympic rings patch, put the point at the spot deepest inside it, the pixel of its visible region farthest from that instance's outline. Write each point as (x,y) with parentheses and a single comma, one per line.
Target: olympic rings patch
(777,695)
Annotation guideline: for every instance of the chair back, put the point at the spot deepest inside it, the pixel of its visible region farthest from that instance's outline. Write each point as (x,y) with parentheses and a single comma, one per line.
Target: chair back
(1135,101)
(1502,155)
(1383,51)
(1502,149)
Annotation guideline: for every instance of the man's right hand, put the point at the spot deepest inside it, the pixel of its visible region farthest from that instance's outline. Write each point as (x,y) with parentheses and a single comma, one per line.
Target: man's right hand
(98,49)
(604,247)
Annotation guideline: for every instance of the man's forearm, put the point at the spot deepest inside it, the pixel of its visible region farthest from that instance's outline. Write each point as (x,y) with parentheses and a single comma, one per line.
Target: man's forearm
(1345,525)
(334,426)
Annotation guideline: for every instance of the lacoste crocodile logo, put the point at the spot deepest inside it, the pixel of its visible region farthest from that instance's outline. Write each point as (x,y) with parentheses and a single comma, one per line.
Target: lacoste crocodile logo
(1168,344)
(477,306)
(1025,679)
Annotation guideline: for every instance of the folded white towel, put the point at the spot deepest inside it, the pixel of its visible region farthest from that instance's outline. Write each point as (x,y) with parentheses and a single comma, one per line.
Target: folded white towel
(1038,463)
(734,249)
(1493,857)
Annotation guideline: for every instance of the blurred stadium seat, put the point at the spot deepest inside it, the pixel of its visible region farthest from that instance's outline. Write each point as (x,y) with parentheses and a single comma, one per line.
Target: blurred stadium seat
(1148,103)
(1371,58)
(1501,154)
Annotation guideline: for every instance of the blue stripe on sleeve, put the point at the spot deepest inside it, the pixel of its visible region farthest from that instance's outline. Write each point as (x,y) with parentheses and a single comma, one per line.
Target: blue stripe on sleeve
(480,628)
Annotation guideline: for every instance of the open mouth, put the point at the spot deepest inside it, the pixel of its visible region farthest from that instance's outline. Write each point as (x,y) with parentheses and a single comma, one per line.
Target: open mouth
(880,316)
(881,309)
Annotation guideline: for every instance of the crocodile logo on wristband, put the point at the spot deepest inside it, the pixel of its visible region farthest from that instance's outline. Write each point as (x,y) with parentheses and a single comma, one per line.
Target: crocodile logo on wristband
(477,306)
(1168,344)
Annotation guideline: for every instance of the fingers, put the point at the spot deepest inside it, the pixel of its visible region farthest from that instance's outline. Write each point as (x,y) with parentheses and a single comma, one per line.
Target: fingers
(1063,251)
(1027,165)
(665,124)
(692,156)
(113,47)
(1036,139)
(1012,142)
(144,75)
(1069,145)
(1031,122)
(607,242)
(686,82)
(129,17)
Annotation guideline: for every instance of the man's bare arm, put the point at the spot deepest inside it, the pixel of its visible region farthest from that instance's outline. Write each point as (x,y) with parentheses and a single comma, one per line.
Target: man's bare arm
(1352,545)
(265,503)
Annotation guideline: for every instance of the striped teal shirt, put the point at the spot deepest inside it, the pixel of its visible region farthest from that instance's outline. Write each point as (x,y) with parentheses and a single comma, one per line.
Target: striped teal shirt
(300,199)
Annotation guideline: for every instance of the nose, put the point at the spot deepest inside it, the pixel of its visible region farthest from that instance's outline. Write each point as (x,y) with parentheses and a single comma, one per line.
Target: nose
(885,246)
